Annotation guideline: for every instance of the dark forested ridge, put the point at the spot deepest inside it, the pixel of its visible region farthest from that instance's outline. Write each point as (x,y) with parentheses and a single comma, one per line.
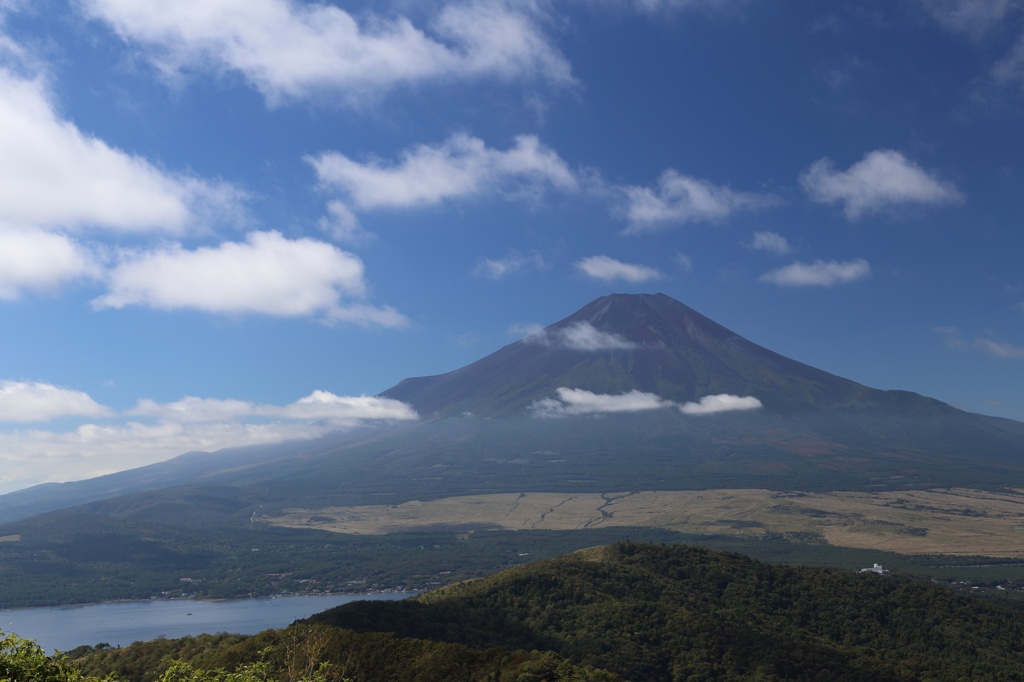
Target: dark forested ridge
(650,612)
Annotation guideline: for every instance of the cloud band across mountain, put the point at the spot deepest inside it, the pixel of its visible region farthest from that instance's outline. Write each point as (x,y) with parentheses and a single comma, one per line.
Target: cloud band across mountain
(578,401)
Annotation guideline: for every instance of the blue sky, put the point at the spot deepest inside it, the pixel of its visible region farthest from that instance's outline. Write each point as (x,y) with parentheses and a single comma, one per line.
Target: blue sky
(227,222)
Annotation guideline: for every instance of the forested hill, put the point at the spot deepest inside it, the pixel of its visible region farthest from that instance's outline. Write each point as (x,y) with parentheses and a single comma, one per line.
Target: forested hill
(652,612)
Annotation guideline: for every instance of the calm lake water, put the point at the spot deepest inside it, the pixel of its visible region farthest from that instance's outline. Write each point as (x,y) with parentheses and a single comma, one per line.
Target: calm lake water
(65,627)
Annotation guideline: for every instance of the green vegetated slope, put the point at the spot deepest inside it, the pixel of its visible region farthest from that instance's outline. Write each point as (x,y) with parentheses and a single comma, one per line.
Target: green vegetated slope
(651,612)
(322,654)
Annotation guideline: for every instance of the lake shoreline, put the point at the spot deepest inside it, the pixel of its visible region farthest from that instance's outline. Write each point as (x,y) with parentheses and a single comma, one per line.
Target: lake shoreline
(281,595)
(63,628)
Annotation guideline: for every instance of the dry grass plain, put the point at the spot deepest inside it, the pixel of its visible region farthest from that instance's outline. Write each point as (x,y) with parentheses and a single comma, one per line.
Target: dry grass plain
(955,521)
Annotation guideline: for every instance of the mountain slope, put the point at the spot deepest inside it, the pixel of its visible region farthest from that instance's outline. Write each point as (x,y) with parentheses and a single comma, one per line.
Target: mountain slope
(619,343)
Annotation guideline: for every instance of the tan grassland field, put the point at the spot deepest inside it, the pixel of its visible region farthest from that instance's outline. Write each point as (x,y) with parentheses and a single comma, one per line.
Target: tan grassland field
(955,521)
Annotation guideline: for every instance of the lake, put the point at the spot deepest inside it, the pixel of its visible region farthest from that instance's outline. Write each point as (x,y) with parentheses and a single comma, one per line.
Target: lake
(64,627)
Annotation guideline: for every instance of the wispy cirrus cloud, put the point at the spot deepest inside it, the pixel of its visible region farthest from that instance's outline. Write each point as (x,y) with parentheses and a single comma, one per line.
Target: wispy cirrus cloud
(292,50)
(678,199)
(998,349)
(1010,69)
(609,270)
(461,167)
(267,274)
(974,18)
(957,340)
(884,180)
(576,401)
(820,273)
(581,336)
(770,242)
(515,262)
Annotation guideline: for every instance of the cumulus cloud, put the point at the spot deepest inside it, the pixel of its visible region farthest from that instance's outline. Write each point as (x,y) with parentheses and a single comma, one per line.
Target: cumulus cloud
(684,199)
(770,242)
(581,336)
(723,402)
(34,260)
(39,402)
(819,273)
(54,176)
(158,431)
(499,268)
(288,50)
(609,269)
(267,274)
(576,401)
(461,167)
(882,181)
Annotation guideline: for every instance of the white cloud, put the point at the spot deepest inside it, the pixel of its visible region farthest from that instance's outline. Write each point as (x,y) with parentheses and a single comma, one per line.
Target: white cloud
(819,273)
(326,405)
(287,49)
(34,260)
(461,167)
(319,405)
(770,242)
(577,401)
(160,430)
(499,268)
(609,269)
(30,457)
(883,180)
(684,199)
(723,402)
(581,336)
(267,274)
(38,402)
(54,176)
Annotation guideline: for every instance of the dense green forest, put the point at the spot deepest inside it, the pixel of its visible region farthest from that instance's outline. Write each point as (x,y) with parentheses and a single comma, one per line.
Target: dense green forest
(653,612)
(630,611)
